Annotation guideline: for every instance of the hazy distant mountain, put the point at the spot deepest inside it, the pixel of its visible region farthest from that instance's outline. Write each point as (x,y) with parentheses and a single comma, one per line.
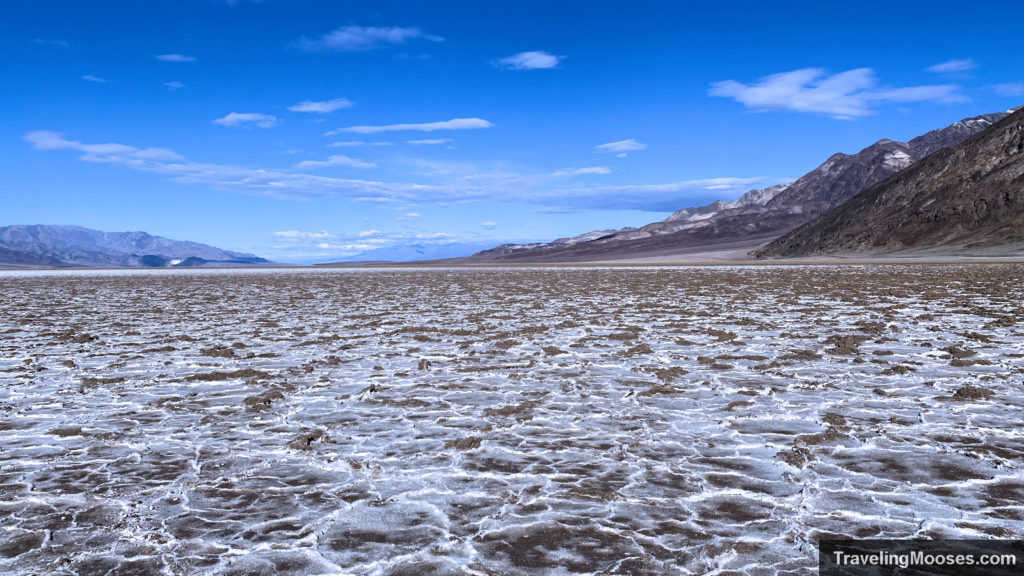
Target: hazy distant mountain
(506,249)
(75,246)
(753,197)
(759,215)
(679,220)
(969,196)
(417,251)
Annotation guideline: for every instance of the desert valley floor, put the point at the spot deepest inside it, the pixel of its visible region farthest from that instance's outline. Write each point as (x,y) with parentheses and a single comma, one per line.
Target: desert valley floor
(513,421)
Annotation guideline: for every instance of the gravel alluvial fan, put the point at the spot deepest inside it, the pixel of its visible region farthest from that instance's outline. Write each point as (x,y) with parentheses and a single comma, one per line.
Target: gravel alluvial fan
(503,421)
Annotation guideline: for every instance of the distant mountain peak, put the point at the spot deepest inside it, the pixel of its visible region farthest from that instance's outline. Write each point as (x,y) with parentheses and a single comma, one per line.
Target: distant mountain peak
(45,245)
(755,197)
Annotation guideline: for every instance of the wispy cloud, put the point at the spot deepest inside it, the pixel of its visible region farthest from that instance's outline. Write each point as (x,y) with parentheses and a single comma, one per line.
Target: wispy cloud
(323,107)
(284,184)
(57,43)
(951,66)
(455,184)
(304,235)
(844,95)
(429,142)
(1009,89)
(174,85)
(652,197)
(409,216)
(292,245)
(96,79)
(488,225)
(334,161)
(353,143)
(362,38)
(453,124)
(621,147)
(588,170)
(247,119)
(175,58)
(533,60)
(104,153)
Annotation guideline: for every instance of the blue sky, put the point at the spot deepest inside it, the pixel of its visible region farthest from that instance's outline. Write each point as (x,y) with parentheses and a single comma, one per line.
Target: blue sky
(310,131)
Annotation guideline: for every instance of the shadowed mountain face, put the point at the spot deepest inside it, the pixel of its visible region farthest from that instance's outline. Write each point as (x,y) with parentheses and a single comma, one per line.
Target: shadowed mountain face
(760,214)
(75,246)
(965,197)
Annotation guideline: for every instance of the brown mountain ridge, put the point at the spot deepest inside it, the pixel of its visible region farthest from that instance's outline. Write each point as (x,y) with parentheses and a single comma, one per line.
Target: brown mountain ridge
(759,216)
(966,198)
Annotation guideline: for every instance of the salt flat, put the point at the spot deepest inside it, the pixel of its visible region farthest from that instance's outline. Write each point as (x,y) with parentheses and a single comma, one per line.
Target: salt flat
(685,420)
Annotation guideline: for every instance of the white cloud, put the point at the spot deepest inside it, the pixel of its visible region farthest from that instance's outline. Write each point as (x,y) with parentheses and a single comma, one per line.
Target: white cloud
(361,38)
(435,141)
(175,58)
(324,107)
(114,153)
(1009,89)
(533,60)
(588,170)
(453,124)
(303,235)
(953,66)
(844,95)
(57,43)
(96,79)
(353,143)
(174,85)
(310,246)
(456,183)
(334,161)
(655,197)
(247,119)
(488,225)
(621,146)
(228,177)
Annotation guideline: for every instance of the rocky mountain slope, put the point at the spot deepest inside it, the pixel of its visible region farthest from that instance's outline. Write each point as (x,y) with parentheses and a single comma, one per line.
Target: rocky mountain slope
(760,214)
(58,246)
(969,197)
(683,219)
(758,197)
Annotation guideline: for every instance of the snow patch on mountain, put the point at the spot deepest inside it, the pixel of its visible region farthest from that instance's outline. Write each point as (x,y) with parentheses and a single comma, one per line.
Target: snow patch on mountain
(757,197)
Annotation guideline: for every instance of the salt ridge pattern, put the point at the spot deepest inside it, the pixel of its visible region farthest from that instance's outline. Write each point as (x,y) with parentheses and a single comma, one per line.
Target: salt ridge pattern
(708,420)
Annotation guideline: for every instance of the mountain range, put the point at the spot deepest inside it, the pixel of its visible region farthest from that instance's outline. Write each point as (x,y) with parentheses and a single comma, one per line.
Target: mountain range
(954,190)
(967,198)
(756,217)
(73,246)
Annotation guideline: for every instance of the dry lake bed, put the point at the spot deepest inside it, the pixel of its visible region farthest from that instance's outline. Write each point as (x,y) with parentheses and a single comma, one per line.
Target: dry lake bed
(708,420)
